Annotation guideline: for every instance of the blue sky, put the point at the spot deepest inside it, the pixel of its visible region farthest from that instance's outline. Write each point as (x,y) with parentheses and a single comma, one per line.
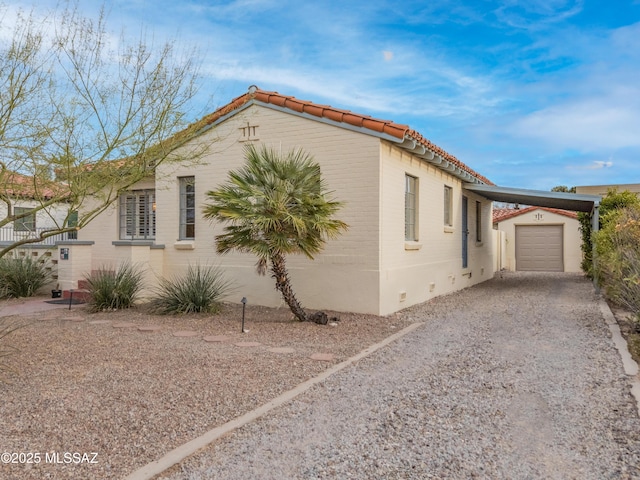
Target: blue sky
(531,94)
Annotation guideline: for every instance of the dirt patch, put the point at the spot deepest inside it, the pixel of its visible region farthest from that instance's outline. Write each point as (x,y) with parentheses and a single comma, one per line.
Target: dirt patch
(132,394)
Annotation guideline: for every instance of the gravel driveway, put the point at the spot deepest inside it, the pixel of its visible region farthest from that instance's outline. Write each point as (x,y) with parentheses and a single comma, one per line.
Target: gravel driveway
(516,378)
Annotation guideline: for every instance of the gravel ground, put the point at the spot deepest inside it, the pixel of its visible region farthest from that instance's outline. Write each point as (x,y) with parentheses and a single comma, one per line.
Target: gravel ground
(516,378)
(84,386)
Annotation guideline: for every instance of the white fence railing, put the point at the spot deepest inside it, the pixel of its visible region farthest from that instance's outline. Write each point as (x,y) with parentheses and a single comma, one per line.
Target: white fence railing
(9,235)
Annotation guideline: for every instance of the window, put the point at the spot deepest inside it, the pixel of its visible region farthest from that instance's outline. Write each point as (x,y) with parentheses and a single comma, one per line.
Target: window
(410,208)
(478,222)
(24,224)
(138,215)
(72,222)
(448,208)
(187,208)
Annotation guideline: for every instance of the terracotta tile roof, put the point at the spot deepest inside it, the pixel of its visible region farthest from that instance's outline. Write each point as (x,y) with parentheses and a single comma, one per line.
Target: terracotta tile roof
(387,127)
(16,185)
(501,214)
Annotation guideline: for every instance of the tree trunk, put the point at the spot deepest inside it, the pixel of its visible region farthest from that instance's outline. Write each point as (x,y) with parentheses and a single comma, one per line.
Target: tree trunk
(283,285)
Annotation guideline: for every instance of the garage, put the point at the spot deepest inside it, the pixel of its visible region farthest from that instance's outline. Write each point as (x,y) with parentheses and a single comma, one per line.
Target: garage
(561,243)
(539,248)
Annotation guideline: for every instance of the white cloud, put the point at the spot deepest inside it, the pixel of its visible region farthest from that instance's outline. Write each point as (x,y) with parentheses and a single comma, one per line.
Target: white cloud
(583,125)
(593,165)
(600,164)
(537,14)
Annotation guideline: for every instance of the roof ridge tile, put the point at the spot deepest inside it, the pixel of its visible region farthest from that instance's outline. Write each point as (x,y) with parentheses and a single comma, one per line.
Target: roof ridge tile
(388,127)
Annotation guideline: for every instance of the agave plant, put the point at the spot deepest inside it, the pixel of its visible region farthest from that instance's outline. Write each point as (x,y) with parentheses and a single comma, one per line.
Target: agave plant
(199,291)
(22,276)
(114,289)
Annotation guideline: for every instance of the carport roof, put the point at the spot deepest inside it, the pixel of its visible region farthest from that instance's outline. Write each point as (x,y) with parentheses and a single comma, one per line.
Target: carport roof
(566,201)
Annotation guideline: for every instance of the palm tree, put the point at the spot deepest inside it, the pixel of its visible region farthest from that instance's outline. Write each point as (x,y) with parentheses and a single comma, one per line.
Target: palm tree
(275,205)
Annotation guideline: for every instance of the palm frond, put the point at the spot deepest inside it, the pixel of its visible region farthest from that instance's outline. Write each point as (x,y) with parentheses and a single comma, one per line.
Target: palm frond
(273,206)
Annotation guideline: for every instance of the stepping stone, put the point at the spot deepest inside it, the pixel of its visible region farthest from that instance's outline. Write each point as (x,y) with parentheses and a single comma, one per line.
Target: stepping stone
(282,350)
(124,325)
(215,338)
(150,328)
(324,357)
(186,333)
(247,344)
(99,322)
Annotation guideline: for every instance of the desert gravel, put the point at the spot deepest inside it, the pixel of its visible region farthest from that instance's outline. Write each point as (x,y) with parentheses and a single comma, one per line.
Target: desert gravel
(85,383)
(516,378)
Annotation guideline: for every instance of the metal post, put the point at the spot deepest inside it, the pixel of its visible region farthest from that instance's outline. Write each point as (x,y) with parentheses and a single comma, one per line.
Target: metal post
(244,304)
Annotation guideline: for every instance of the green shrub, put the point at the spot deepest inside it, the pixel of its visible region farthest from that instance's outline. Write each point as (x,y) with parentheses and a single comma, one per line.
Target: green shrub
(617,264)
(22,276)
(114,289)
(612,202)
(200,290)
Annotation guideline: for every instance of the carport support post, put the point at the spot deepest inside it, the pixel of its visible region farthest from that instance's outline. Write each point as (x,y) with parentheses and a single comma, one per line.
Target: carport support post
(595,226)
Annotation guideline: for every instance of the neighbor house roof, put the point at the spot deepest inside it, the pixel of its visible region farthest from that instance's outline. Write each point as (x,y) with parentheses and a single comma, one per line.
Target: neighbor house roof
(16,185)
(501,214)
(408,138)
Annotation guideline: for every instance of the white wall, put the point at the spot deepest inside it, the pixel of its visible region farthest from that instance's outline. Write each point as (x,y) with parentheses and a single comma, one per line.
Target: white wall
(345,276)
(412,273)
(52,216)
(499,250)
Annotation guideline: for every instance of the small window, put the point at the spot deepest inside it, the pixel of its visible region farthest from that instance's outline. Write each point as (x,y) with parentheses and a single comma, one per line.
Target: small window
(410,208)
(478,221)
(24,224)
(187,208)
(138,215)
(448,206)
(72,221)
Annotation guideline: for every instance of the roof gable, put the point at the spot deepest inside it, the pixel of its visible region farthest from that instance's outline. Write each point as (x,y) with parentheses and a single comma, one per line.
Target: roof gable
(502,214)
(403,135)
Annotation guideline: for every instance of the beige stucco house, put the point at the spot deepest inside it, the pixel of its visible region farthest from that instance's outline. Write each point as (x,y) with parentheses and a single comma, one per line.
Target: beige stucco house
(18,190)
(602,190)
(414,232)
(538,239)
(23,198)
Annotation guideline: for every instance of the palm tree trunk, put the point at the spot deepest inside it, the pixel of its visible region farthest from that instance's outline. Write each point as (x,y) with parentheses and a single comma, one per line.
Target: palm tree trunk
(283,285)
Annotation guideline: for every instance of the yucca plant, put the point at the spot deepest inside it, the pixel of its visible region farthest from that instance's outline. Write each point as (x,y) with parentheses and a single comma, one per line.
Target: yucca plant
(114,289)
(199,291)
(22,276)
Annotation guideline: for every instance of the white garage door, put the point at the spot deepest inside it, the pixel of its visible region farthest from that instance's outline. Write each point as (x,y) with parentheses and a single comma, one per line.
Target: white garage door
(539,248)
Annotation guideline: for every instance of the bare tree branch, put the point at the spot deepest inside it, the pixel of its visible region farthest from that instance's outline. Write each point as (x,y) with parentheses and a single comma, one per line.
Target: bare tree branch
(85,117)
